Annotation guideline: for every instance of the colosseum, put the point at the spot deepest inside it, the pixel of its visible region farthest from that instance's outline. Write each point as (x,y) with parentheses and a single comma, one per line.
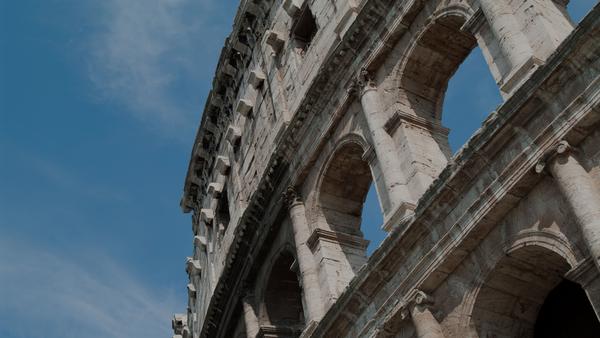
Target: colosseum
(314,101)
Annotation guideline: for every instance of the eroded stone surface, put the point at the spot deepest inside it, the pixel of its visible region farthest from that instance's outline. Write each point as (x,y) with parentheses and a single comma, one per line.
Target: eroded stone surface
(294,131)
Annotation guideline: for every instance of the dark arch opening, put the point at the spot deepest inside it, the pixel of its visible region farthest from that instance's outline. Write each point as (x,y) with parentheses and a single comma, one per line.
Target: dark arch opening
(283,297)
(566,313)
(525,291)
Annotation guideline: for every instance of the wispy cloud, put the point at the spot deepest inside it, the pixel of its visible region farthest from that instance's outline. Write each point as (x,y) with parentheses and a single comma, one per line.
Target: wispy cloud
(151,56)
(45,294)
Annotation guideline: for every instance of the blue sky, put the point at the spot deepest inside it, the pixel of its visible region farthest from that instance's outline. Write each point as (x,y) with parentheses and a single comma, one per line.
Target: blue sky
(99,102)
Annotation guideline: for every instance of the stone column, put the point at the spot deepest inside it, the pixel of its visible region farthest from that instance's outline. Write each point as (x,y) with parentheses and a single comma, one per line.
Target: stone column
(306,262)
(418,308)
(581,192)
(250,318)
(512,42)
(385,149)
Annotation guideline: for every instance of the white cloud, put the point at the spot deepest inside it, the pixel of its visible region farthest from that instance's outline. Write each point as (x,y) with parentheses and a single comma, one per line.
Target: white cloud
(150,56)
(45,294)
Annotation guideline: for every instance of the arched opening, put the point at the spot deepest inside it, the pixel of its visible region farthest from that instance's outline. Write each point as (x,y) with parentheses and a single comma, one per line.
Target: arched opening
(567,312)
(520,291)
(467,99)
(344,189)
(471,96)
(342,196)
(284,313)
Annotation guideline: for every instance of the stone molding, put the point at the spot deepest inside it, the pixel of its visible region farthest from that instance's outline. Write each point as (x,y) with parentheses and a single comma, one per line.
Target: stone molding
(272,331)
(335,237)
(399,118)
(584,273)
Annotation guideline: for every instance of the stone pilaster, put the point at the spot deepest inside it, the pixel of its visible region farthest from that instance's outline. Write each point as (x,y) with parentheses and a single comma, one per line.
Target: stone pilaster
(418,308)
(512,42)
(580,191)
(306,262)
(250,318)
(394,180)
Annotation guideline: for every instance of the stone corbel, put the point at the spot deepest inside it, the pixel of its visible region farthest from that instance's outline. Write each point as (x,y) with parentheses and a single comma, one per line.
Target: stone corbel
(233,135)
(222,165)
(229,70)
(200,242)
(215,189)
(256,77)
(292,7)
(178,323)
(241,48)
(192,267)
(244,107)
(275,39)
(207,216)
(191,291)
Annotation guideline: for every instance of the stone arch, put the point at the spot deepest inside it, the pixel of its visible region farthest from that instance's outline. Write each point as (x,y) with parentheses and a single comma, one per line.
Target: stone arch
(510,293)
(281,310)
(433,56)
(343,184)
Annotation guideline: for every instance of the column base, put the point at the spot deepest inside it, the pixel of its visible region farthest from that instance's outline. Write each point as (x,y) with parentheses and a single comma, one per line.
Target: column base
(518,75)
(402,213)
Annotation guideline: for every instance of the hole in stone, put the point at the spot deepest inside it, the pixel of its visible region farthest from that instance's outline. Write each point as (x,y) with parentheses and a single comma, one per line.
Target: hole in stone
(304,29)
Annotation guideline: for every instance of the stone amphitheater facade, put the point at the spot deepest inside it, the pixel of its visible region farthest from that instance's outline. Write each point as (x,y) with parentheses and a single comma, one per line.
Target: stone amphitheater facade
(313,100)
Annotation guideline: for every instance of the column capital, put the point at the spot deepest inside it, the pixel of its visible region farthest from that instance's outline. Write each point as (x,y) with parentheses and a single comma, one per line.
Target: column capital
(560,149)
(414,299)
(362,83)
(292,197)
